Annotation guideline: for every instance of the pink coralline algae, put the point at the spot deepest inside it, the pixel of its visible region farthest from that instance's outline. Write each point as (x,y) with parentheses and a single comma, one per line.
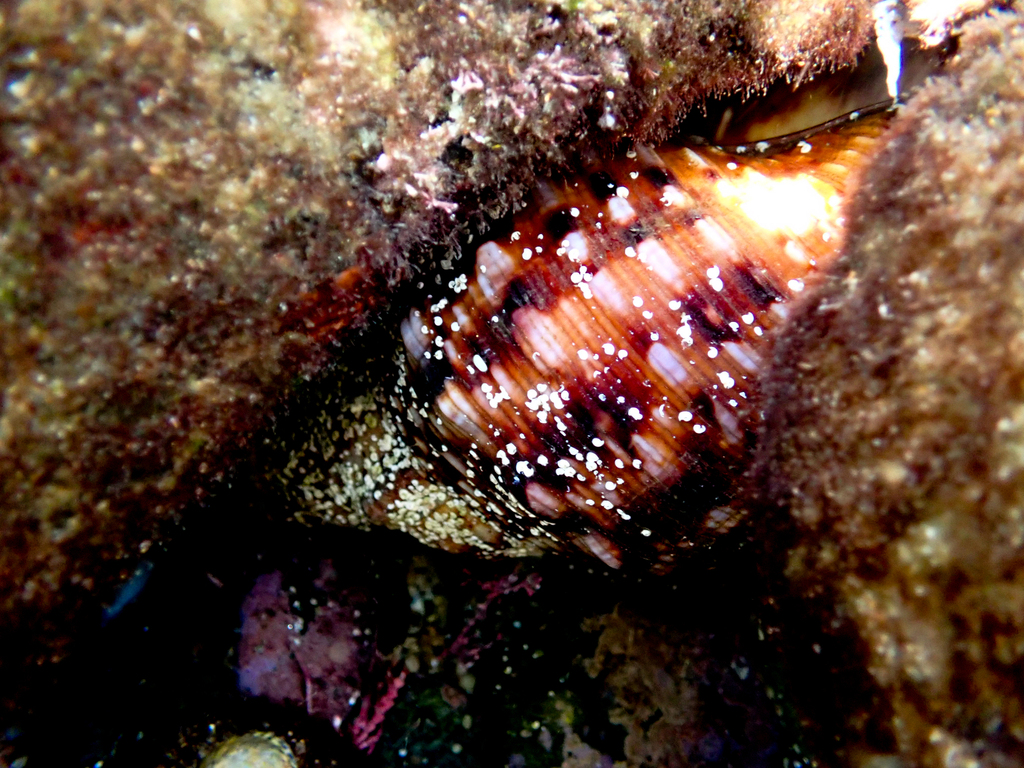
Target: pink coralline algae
(326,664)
(316,646)
(467,646)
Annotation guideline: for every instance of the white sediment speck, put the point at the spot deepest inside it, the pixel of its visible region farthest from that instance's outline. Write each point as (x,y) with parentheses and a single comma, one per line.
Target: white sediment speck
(714,279)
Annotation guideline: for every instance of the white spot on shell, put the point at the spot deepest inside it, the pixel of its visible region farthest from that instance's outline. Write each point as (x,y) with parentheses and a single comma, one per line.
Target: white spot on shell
(543,501)
(715,237)
(601,547)
(743,355)
(608,292)
(662,360)
(620,211)
(653,254)
(494,269)
(576,248)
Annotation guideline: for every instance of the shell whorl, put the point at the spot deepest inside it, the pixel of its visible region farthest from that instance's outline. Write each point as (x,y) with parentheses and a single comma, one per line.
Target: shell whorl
(592,378)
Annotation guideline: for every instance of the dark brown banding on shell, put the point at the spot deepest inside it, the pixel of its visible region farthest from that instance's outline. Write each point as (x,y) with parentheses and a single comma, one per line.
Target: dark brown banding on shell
(592,379)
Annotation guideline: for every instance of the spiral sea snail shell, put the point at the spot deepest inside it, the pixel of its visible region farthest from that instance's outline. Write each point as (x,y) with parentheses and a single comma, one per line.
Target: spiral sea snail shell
(591,378)
(257,749)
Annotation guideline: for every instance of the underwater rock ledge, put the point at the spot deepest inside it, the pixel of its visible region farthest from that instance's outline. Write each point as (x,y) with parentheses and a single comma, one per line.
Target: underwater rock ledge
(890,461)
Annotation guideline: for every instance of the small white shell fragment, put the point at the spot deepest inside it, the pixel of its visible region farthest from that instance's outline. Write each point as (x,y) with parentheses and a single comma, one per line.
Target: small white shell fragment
(256,749)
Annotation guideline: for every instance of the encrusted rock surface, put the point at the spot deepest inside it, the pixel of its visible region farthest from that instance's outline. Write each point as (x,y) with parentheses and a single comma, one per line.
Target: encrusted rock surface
(686,690)
(894,436)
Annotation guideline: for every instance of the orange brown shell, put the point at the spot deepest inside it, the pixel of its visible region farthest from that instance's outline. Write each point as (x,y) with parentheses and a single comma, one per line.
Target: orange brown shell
(592,378)
(595,376)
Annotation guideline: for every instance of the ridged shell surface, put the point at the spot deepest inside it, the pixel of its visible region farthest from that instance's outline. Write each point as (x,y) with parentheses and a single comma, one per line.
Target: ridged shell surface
(591,378)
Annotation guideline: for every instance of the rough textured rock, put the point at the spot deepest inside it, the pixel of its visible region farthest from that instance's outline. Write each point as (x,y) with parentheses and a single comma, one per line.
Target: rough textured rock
(893,439)
(177,175)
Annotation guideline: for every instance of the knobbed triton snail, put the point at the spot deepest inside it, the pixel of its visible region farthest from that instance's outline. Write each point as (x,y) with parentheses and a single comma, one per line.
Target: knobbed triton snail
(591,378)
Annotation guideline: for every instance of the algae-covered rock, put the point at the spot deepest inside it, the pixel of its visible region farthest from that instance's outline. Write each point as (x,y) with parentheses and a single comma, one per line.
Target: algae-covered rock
(892,443)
